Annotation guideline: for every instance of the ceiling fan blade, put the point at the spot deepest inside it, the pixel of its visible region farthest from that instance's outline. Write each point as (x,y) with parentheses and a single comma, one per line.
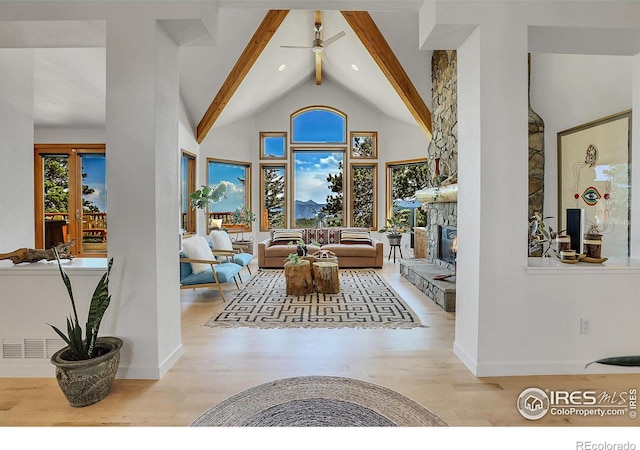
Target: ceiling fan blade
(318,69)
(295,46)
(325,58)
(333,38)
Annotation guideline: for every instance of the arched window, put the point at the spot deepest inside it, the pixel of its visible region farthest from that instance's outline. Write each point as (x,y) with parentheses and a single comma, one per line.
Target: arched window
(318,125)
(318,139)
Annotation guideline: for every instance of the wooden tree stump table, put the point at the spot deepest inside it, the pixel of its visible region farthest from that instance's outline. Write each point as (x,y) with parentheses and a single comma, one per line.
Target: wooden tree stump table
(298,278)
(325,275)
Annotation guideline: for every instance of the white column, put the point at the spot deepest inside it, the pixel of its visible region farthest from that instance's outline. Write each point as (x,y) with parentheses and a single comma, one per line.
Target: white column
(16,149)
(142,175)
(492,161)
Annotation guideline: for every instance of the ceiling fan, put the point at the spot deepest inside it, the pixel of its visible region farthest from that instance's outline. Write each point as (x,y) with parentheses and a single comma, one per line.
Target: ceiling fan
(319,45)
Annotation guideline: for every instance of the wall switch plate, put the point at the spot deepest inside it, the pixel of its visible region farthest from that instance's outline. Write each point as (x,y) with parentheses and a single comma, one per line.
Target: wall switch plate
(585,326)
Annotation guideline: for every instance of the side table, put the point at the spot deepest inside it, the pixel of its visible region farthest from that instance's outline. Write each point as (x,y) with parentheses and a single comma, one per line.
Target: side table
(325,277)
(298,278)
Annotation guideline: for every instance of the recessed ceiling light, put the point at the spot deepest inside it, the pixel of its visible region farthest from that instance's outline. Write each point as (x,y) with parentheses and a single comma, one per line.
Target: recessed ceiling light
(354,67)
(282,67)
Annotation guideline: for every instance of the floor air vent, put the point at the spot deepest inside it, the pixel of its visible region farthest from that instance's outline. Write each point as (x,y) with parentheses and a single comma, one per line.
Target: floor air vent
(30,348)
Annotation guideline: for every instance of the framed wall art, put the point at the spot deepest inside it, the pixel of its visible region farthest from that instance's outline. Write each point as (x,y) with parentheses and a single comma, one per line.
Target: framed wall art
(594,176)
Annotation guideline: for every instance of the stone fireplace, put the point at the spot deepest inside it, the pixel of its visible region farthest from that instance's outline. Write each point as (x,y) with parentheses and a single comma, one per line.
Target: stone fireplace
(447,244)
(434,274)
(440,216)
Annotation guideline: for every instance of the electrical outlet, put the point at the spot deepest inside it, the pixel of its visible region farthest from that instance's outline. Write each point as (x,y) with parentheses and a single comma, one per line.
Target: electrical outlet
(585,326)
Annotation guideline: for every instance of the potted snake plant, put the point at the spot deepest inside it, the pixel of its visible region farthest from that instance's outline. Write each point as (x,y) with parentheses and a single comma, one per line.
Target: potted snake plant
(87,366)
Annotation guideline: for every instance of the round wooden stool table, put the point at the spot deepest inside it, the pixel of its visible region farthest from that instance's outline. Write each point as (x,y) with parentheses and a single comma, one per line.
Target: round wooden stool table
(298,278)
(325,277)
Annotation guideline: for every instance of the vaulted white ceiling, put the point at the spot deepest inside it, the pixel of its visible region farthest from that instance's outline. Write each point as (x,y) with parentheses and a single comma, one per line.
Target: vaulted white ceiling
(70,66)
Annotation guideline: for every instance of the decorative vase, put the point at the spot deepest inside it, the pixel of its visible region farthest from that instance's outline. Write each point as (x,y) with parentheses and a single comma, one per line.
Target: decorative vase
(301,250)
(592,245)
(563,242)
(88,381)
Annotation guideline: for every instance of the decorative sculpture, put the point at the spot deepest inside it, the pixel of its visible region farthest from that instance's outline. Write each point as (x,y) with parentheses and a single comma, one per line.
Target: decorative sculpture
(32,255)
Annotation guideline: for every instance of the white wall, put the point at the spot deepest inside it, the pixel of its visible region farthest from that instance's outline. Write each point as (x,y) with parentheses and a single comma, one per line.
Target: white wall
(70,136)
(571,90)
(515,316)
(16,150)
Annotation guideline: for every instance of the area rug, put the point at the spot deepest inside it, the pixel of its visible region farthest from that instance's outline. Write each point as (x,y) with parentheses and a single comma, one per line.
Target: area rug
(365,301)
(318,401)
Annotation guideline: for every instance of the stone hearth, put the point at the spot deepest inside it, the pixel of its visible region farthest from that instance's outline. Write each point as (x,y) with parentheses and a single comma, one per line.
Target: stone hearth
(421,274)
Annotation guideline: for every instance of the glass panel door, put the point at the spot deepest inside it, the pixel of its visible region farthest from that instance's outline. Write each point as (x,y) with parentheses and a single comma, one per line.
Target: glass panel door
(94,203)
(70,198)
(56,200)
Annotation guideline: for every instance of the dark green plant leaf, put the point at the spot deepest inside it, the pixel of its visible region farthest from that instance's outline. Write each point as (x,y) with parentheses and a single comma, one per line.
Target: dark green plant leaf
(99,304)
(61,334)
(67,283)
(629,361)
(84,348)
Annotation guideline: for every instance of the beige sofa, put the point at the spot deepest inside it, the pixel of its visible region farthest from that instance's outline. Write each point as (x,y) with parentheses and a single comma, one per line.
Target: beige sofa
(272,254)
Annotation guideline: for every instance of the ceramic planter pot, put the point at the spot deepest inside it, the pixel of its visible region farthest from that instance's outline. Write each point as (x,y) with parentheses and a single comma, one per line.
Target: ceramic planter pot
(88,381)
(394,239)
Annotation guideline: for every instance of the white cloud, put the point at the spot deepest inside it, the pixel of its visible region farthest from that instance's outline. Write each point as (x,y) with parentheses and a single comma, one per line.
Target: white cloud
(233,187)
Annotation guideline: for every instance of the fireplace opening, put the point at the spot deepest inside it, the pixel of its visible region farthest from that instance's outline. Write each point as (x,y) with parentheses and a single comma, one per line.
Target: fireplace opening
(447,244)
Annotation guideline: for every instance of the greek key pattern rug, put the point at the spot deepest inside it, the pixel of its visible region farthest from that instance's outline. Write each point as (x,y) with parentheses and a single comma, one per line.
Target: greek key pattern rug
(365,301)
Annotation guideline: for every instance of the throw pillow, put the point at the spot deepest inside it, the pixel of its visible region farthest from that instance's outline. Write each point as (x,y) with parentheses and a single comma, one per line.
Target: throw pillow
(286,236)
(355,237)
(220,240)
(196,247)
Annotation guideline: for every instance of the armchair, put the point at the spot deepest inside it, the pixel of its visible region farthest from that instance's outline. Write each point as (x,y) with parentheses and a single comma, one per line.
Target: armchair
(214,276)
(202,267)
(220,242)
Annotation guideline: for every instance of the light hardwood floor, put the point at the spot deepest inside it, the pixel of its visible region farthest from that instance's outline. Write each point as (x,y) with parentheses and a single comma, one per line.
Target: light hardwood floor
(218,363)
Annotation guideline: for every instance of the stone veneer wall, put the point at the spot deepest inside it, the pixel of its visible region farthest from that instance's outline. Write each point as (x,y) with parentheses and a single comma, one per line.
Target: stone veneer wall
(444,145)
(444,96)
(536,157)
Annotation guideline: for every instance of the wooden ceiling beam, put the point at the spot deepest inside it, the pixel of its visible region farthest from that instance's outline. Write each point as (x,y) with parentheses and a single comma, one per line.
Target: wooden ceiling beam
(263,34)
(318,23)
(375,43)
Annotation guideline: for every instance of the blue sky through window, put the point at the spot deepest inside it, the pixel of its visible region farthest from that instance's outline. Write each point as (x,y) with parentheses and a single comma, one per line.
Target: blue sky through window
(233,175)
(319,126)
(311,170)
(95,168)
(274,146)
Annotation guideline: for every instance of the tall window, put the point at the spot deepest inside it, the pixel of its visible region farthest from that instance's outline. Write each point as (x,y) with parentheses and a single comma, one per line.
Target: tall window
(71,197)
(318,188)
(187,186)
(404,179)
(236,176)
(318,166)
(363,195)
(273,181)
